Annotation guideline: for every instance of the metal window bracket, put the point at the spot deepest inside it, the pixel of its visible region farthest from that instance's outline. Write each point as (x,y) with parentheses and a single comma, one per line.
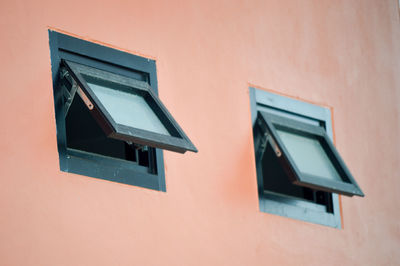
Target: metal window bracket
(264,140)
(70,87)
(84,98)
(274,145)
(267,138)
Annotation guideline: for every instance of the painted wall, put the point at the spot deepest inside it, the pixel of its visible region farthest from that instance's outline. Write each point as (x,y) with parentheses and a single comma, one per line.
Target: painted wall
(342,54)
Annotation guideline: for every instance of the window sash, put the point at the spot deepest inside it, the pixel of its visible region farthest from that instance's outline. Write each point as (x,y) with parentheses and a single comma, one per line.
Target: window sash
(269,124)
(178,141)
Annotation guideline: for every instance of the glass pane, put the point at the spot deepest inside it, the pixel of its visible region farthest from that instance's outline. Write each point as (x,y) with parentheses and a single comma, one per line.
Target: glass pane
(309,156)
(128,109)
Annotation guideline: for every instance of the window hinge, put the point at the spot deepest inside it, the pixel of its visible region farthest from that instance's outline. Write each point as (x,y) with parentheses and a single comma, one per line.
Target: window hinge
(68,87)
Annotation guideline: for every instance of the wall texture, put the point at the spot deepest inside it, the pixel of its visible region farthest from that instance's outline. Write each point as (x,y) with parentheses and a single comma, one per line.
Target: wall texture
(342,54)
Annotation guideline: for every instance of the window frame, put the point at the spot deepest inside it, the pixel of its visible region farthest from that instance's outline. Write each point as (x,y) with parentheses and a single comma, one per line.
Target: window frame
(270,123)
(66,47)
(177,141)
(282,205)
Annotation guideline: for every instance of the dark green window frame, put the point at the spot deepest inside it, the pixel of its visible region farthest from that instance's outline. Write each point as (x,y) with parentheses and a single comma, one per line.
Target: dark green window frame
(139,70)
(285,205)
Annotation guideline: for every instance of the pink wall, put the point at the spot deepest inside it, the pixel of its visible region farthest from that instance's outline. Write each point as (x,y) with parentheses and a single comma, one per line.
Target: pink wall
(343,54)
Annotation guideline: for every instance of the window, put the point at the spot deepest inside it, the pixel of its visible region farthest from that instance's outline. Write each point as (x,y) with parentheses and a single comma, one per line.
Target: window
(299,171)
(127,109)
(110,122)
(306,153)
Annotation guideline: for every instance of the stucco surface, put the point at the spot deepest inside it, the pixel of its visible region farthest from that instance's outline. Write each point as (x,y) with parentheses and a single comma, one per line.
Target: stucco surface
(341,54)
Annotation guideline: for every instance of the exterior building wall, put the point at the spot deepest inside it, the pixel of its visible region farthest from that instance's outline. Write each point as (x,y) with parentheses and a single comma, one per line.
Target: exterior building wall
(340,54)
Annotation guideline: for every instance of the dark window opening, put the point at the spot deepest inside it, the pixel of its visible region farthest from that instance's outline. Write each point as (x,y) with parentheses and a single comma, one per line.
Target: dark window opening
(276,180)
(84,133)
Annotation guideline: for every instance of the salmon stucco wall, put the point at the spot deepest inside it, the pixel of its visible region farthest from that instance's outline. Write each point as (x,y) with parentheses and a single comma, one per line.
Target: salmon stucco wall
(341,54)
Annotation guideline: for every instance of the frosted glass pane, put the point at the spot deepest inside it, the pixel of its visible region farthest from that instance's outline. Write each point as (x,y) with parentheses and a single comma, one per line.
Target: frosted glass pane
(309,156)
(128,109)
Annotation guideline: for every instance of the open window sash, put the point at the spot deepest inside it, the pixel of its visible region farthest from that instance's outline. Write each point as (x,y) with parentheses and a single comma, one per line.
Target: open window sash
(128,109)
(307,155)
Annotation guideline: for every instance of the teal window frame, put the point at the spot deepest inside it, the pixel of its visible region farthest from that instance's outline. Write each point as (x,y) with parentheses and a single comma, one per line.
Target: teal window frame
(278,204)
(65,47)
